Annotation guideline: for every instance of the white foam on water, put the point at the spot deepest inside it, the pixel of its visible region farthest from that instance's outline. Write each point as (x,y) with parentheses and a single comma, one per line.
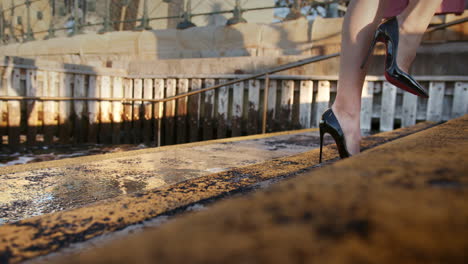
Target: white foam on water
(20,160)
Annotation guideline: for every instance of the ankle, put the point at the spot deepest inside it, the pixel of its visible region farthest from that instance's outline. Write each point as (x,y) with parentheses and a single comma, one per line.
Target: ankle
(345,113)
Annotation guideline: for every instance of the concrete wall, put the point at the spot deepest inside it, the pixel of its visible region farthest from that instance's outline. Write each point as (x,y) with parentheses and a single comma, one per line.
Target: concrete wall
(289,38)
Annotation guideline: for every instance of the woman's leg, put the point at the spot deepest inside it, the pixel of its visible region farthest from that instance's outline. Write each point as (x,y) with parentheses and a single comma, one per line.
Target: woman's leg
(413,23)
(359,25)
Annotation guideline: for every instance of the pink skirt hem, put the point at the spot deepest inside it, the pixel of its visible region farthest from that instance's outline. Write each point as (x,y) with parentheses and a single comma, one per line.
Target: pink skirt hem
(447,6)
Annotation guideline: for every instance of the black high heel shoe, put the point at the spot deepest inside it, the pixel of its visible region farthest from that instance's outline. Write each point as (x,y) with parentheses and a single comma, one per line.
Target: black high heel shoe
(387,32)
(329,124)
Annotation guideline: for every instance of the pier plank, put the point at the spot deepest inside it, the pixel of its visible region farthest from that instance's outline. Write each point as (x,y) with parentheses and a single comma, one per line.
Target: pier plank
(65,107)
(170,111)
(117,109)
(222,110)
(32,108)
(460,99)
(322,100)
(387,113)
(181,124)
(105,133)
(3,106)
(137,110)
(410,106)
(272,123)
(14,108)
(208,117)
(51,108)
(93,110)
(79,107)
(305,103)
(253,106)
(128,112)
(158,113)
(237,109)
(147,111)
(194,110)
(435,101)
(286,105)
(366,105)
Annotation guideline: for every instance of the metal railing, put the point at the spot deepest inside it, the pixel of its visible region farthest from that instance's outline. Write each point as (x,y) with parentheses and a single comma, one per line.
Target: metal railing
(75,14)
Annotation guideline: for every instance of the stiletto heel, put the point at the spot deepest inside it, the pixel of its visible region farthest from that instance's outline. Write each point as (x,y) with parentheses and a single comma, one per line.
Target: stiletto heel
(388,33)
(329,124)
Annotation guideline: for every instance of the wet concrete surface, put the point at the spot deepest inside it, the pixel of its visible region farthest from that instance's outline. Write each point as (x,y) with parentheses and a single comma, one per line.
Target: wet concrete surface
(400,202)
(48,233)
(34,192)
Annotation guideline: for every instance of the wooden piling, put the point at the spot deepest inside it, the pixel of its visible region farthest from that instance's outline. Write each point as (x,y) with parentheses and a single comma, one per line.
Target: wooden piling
(3,106)
(32,108)
(253,107)
(208,111)
(51,108)
(194,110)
(65,90)
(181,123)
(388,107)
(237,109)
(367,100)
(305,103)
(14,108)
(322,100)
(460,99)
(435,101)
(272,121)
(137,110)
(222,110)
(158,109)
(80,121)
(105,133)
(147,111)
(409,109)
(287,97)
(93,110)
(128,112)
(117,109)
(170,110)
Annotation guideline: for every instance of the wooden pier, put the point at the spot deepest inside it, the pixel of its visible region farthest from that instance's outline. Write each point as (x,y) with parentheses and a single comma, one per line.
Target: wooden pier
(117,115)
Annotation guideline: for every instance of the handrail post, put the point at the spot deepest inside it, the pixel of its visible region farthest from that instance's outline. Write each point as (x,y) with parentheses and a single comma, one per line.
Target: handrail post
(51,30)
(76,20)
(187,17)
(29,33)
(265,102)
(237,12)
(12,27)
(106,25)
(2,27)
(145,18)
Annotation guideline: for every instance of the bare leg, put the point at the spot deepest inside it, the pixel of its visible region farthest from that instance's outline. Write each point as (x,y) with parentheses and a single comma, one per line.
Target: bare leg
(413,23)
(359,25)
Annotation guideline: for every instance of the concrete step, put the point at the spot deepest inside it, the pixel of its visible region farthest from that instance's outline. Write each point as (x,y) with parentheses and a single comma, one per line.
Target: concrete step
(47,233)
(404,201)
